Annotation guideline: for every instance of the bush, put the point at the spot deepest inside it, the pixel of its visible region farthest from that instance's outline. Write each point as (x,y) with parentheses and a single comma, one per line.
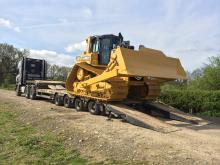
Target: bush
(196,101)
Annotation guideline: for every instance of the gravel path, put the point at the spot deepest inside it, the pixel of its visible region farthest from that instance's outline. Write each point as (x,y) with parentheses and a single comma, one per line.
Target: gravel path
(103,140)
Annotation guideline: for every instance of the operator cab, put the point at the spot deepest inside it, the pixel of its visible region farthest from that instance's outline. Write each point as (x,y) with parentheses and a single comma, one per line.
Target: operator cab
(102,45)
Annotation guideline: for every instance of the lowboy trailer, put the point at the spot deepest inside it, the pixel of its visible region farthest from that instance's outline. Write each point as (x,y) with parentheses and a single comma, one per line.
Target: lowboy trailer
(110,77)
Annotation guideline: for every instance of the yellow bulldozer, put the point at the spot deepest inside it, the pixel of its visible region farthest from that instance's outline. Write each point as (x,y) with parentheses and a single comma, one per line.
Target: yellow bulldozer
(111,70)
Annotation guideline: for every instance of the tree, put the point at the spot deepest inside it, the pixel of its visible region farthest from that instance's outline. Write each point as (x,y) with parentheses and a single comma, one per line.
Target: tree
(56,72)
(211,74)
(208,77)
(9,58)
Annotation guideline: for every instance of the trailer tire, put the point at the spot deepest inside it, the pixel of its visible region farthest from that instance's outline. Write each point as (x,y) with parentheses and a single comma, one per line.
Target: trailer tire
(33,93)
(18,93)
(78,104)
(94,108)
(27,91)
(57,100)
(67,102)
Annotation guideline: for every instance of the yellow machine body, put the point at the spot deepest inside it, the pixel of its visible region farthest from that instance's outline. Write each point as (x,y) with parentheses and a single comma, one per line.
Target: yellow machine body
(129,74)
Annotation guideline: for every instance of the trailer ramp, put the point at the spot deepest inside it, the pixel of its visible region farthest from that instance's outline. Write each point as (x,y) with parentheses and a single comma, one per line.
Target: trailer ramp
(173,113)
(140,119)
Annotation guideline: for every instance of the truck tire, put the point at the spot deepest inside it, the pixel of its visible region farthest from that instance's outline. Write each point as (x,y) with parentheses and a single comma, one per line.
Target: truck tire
(93,108)
(33,94)
(58,100)
(18,93)
(78,104)
(27,91)
(67,102)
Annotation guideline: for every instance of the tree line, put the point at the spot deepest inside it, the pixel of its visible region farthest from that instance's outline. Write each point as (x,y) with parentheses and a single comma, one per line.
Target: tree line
(9,58)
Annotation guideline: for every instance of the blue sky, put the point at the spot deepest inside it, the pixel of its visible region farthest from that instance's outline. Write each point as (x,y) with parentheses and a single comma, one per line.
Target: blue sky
(55,29)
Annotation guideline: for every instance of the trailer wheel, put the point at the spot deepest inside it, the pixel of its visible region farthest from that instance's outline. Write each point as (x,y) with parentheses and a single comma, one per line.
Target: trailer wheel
(27,91)
(67,102)
(18,93)
(78,104)
(33,93)
(58,100)
(93,108)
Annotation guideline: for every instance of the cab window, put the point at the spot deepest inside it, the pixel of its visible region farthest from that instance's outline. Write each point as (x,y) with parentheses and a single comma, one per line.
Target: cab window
(95,46)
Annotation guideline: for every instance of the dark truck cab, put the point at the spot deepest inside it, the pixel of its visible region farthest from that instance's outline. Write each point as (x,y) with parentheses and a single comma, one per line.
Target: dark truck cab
(29,69)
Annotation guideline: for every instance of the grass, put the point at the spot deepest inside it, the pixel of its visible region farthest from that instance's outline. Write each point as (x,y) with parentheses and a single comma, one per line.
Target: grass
(213,113)
(8,86)
(23,144)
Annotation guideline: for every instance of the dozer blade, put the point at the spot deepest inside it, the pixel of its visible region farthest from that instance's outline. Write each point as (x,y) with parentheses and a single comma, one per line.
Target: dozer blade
(149,63)
(140,119)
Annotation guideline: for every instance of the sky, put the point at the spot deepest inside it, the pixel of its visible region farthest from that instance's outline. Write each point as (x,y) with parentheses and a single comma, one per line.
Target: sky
(55,29)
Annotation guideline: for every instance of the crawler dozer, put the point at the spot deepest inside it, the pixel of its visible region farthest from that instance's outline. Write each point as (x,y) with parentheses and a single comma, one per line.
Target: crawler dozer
(111,70)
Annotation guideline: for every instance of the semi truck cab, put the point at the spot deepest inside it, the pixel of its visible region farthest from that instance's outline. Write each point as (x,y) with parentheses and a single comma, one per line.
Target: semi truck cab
(29,69)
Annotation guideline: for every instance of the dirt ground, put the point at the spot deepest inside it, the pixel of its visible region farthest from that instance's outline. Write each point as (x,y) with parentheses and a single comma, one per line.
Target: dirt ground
(101,140)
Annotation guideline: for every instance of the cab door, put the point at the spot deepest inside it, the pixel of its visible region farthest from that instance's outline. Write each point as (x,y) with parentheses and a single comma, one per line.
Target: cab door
(104,51)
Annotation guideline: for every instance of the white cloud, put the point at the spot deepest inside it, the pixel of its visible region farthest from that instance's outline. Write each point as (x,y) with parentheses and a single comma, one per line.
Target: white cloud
(76,47)
(87,12)
(53,57)
(17,29)
(6,23)
(63,20)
